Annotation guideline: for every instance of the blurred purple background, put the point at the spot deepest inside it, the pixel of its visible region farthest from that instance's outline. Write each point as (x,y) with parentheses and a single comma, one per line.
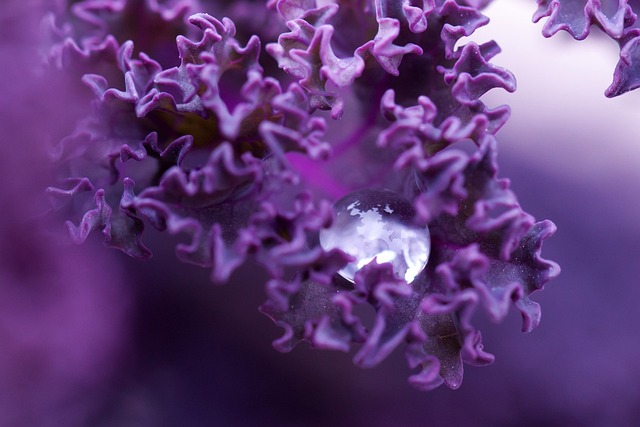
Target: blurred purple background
(91,337)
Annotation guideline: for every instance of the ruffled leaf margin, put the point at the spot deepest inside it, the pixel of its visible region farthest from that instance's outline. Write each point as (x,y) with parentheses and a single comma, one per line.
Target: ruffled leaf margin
(202,148)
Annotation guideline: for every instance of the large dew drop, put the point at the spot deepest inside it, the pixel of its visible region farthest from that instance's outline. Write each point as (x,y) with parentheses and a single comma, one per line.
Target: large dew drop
(378,224)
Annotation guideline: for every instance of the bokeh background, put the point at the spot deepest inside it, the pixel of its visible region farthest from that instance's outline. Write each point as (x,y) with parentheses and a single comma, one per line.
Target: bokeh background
(91,337)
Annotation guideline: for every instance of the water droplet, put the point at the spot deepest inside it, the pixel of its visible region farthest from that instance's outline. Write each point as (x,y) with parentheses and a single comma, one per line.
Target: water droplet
(378,224)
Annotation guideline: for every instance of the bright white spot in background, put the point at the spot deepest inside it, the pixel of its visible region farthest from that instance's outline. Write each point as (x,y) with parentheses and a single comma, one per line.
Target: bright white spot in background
(560,118)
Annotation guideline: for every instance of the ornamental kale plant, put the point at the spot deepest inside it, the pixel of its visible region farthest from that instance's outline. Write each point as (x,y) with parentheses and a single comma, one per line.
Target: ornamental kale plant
(256,129)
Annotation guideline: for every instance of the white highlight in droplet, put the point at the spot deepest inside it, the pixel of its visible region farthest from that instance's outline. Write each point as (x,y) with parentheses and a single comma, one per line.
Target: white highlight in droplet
(378,225)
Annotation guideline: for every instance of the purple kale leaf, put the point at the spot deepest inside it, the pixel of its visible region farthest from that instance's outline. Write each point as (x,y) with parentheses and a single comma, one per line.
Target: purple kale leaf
(485,254)
(617,19)
(197,142)
(200,127)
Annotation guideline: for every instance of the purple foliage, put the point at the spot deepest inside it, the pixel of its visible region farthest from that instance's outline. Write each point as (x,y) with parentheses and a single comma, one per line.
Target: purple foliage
(236,154)
(221,133)
(225,131)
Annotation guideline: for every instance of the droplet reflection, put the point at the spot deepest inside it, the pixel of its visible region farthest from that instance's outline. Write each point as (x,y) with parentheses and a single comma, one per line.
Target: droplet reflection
(378,224)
